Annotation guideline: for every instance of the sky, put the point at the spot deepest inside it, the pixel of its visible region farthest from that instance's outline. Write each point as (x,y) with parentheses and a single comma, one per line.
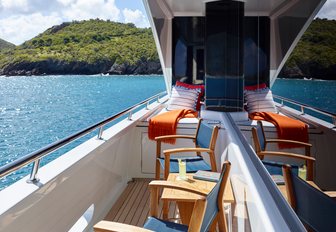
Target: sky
(21,20)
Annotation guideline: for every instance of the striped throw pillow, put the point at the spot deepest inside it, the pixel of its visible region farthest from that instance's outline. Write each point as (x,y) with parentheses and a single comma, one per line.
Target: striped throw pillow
(183,98)
(260,100)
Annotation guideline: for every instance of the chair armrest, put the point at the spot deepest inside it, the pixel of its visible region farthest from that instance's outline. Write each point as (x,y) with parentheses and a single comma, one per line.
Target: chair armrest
(186,149)
(184,186)
(169,152)
(331,193)
(288,141)
(106,226)
(286,154)
(175,137)
(312,183)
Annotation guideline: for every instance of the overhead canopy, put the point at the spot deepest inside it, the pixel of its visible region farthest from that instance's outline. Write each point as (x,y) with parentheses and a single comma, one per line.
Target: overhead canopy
(288,21)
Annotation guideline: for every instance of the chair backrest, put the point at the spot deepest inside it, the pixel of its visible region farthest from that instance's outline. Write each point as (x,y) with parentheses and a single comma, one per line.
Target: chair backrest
(314,208)
(206,135)
(259,137)
(215,198)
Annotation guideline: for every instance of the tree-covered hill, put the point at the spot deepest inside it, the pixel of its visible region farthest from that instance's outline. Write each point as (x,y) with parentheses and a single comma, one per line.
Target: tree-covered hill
(315,54)
(5,45)
(85,47)
(97,46)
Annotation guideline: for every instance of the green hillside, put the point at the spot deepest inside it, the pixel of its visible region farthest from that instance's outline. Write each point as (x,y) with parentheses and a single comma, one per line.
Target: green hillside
(97,46)
(315,54)
(92,42)
(5,45)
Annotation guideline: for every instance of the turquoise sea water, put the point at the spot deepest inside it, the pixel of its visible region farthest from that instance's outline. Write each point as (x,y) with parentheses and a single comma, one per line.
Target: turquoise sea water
(318,93)
(36,111)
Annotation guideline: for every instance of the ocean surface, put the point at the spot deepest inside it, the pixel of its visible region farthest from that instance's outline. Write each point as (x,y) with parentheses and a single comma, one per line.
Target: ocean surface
(36,111)
(318,93)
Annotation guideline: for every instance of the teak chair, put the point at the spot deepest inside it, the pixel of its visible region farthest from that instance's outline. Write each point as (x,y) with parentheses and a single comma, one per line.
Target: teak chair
(314,208)
(274,168)
(205,141)
(207,209)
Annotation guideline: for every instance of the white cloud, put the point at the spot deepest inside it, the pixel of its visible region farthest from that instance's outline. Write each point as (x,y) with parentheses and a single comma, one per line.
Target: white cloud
(21,20)
(14,4)
(65,2)
(136,17)
(17,5)
(17,29)
(87,9)
(328,10)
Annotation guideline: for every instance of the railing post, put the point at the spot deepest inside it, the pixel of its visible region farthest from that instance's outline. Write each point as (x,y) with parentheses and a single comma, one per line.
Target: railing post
(33,178)
(282,102)
(334,120)
(130,115)
(302,110)
(100,133)
(158,99)
(147,106)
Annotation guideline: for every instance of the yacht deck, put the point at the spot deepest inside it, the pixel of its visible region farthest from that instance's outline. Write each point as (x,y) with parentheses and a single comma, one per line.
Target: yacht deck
(132,208)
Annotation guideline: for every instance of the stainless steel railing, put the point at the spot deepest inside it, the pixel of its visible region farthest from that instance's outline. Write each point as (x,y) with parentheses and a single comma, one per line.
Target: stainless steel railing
(39,154)
(303,107)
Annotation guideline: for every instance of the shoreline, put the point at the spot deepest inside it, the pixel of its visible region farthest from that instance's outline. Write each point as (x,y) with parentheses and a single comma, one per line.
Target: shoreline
(78,75)
(304,79)
(135,75)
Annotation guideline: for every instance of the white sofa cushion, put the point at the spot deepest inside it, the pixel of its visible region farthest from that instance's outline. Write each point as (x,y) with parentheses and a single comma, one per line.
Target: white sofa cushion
(182,98)
(259,100)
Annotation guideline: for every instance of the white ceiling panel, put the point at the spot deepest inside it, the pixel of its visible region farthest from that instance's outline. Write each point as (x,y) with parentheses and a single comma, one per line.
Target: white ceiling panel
(197,7)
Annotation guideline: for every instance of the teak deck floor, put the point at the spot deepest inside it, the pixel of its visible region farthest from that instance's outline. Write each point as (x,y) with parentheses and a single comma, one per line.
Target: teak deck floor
(132,207)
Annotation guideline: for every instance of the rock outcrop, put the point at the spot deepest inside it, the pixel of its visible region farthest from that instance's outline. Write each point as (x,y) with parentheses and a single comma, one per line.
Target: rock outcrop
(54,67)
(310,70)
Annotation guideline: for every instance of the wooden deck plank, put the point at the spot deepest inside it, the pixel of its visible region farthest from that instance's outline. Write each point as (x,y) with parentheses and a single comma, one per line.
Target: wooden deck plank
(124,211)
(118,205)
(141,214)
(135,206)
(121,216)
(124,204)
(144,214)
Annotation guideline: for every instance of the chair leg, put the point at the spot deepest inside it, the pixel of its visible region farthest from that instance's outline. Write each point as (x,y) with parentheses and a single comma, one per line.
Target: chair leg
(222,222)
(213,162)
(165,210)
(157,170)
(166,166)
(214,225)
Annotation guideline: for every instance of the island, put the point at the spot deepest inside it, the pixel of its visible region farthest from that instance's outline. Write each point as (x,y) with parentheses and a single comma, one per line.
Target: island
(97,46)
(84,47)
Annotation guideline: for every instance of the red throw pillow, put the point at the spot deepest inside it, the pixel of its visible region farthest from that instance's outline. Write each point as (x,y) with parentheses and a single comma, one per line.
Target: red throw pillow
(189,86)
(255,87)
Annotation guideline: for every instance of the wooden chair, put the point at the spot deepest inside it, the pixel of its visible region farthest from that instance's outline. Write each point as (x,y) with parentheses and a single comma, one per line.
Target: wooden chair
(315,209)
(207,209)
(205,141)
(275,168)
